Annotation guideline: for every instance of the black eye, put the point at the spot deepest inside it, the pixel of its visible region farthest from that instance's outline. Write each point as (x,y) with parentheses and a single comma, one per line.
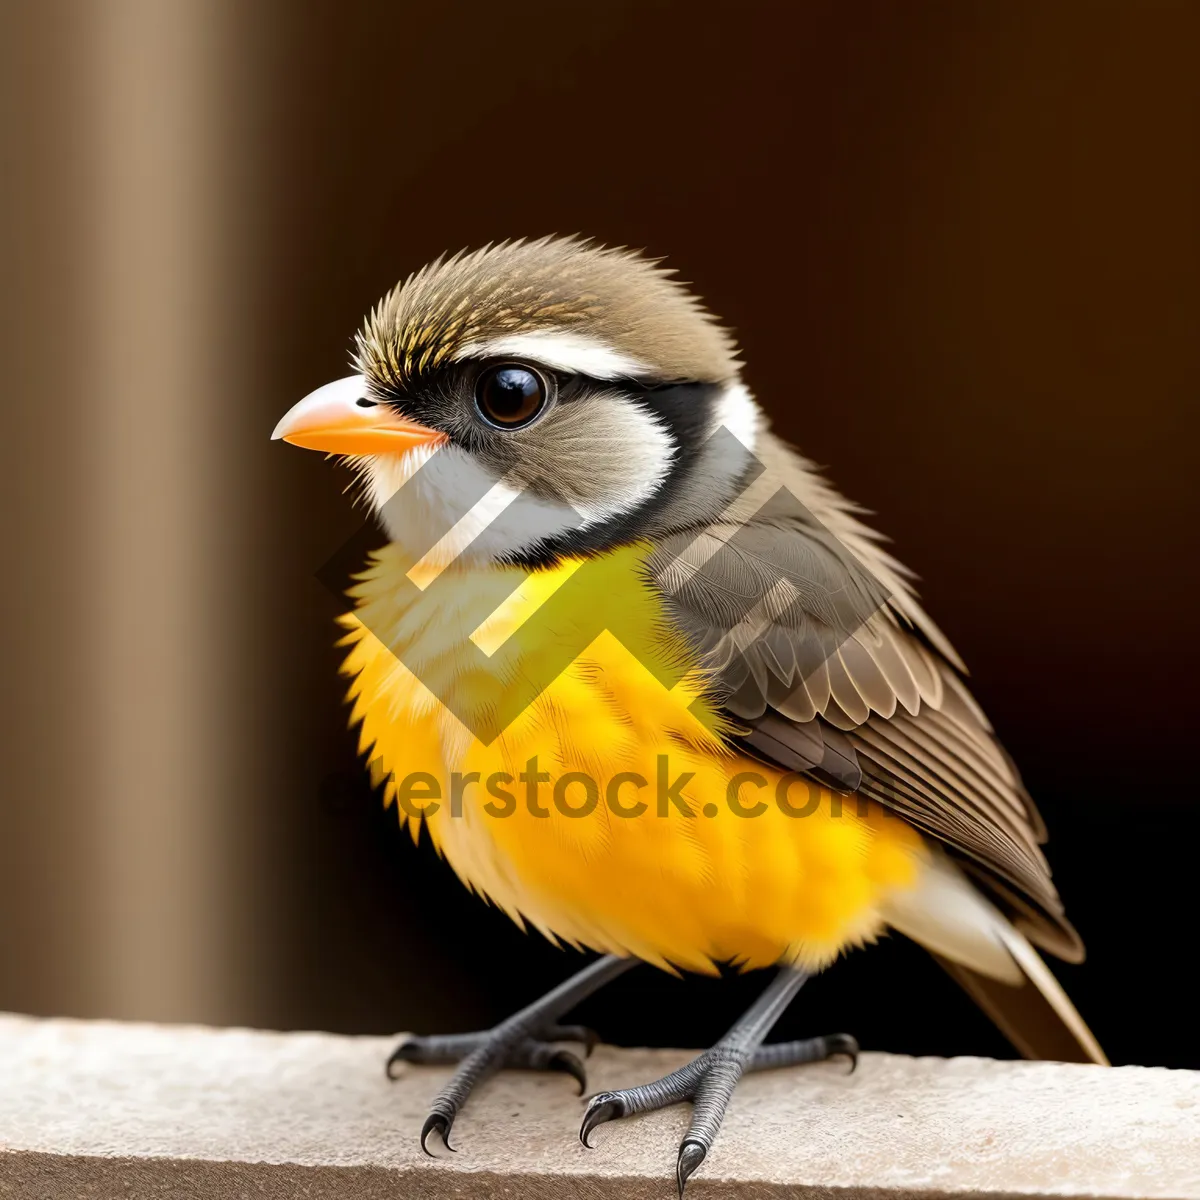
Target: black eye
(510,395)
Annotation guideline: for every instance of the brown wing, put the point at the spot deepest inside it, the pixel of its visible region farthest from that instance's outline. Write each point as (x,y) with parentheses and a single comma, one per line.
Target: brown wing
(830,667)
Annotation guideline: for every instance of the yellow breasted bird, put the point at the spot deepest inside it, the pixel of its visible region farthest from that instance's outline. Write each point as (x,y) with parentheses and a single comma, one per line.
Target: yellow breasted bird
(650,683)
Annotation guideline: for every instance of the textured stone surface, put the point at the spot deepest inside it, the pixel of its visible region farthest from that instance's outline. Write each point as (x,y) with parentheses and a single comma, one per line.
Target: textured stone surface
(103,1110)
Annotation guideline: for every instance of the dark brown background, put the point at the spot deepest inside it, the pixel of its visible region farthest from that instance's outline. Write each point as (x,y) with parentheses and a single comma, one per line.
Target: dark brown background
(958,242)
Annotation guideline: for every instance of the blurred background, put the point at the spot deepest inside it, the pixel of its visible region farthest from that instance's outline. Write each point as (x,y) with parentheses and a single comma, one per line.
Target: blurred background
(958,242)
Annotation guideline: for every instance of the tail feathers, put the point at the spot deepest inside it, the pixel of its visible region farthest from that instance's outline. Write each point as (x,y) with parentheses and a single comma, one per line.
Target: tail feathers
(1038,1018)
(995,964)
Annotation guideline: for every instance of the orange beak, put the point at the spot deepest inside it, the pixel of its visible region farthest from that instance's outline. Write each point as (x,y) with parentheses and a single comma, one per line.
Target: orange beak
(341,418)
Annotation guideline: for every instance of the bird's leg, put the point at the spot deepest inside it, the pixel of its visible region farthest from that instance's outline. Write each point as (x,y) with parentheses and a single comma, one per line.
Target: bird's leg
(709,1079)
(526,1039)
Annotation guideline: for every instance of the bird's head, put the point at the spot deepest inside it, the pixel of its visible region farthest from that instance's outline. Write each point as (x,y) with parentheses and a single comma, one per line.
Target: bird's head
(536,398)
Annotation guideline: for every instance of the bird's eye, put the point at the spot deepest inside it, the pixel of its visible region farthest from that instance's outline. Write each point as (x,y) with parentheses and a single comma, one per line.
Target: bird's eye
(510,395)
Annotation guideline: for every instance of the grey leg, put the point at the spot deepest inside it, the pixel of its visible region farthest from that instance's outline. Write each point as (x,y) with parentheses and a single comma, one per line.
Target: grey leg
(526,1039)
(709,1079)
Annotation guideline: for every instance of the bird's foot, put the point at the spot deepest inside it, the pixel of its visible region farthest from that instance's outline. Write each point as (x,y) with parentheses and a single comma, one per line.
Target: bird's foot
(708,1082)
(482,1054)
(528,1039)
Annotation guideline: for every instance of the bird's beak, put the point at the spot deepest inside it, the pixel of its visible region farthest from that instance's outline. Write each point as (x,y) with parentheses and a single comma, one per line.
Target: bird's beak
(341,418)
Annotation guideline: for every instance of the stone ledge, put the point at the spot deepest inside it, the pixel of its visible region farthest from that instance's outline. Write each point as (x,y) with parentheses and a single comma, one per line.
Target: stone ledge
(96,1109)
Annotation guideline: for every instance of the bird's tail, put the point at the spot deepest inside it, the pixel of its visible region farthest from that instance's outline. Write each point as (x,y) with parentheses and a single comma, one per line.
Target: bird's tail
(995,963)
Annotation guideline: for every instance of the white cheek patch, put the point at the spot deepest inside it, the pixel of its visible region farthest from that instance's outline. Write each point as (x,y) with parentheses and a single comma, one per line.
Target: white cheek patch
(454,543)
(425,514)
(646,452)
(386,474)
(577,353)
(632,452)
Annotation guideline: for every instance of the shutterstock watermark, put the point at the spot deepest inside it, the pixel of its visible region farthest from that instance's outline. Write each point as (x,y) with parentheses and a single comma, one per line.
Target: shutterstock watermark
(746,794)
(727,595)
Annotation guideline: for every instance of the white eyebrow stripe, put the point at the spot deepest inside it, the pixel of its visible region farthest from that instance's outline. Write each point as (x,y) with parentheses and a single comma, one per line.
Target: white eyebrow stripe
(572,352)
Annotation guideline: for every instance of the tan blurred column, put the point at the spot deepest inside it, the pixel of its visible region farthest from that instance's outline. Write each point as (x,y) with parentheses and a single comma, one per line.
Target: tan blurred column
(128,840)
(47,887)
(170,878)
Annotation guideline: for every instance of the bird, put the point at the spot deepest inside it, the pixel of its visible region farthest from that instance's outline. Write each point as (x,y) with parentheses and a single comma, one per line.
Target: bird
(650,684)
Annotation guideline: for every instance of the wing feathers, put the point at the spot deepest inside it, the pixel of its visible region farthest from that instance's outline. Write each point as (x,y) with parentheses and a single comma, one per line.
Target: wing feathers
(868,677)
(805,621)
(896,671)
(843,690)
(814,747)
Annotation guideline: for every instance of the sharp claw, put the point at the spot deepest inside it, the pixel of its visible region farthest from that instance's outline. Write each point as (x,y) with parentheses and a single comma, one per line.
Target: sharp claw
(691,1155)
(591,1039)
(568,1064)
(604,1106)
(845,1045)
(397,1055)
(442,1124)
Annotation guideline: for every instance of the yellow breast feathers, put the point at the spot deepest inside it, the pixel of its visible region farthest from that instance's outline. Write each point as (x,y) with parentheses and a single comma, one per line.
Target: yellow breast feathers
(563,755)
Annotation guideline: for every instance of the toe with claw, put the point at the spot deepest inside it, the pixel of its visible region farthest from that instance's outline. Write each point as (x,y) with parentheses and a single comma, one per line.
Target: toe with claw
(604,1106)
(441,1122)
(480,1055)
(691,1155)
(708,1081)
(530,1040)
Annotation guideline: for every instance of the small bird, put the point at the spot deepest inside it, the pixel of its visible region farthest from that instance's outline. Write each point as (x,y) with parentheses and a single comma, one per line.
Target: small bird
(650,683)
